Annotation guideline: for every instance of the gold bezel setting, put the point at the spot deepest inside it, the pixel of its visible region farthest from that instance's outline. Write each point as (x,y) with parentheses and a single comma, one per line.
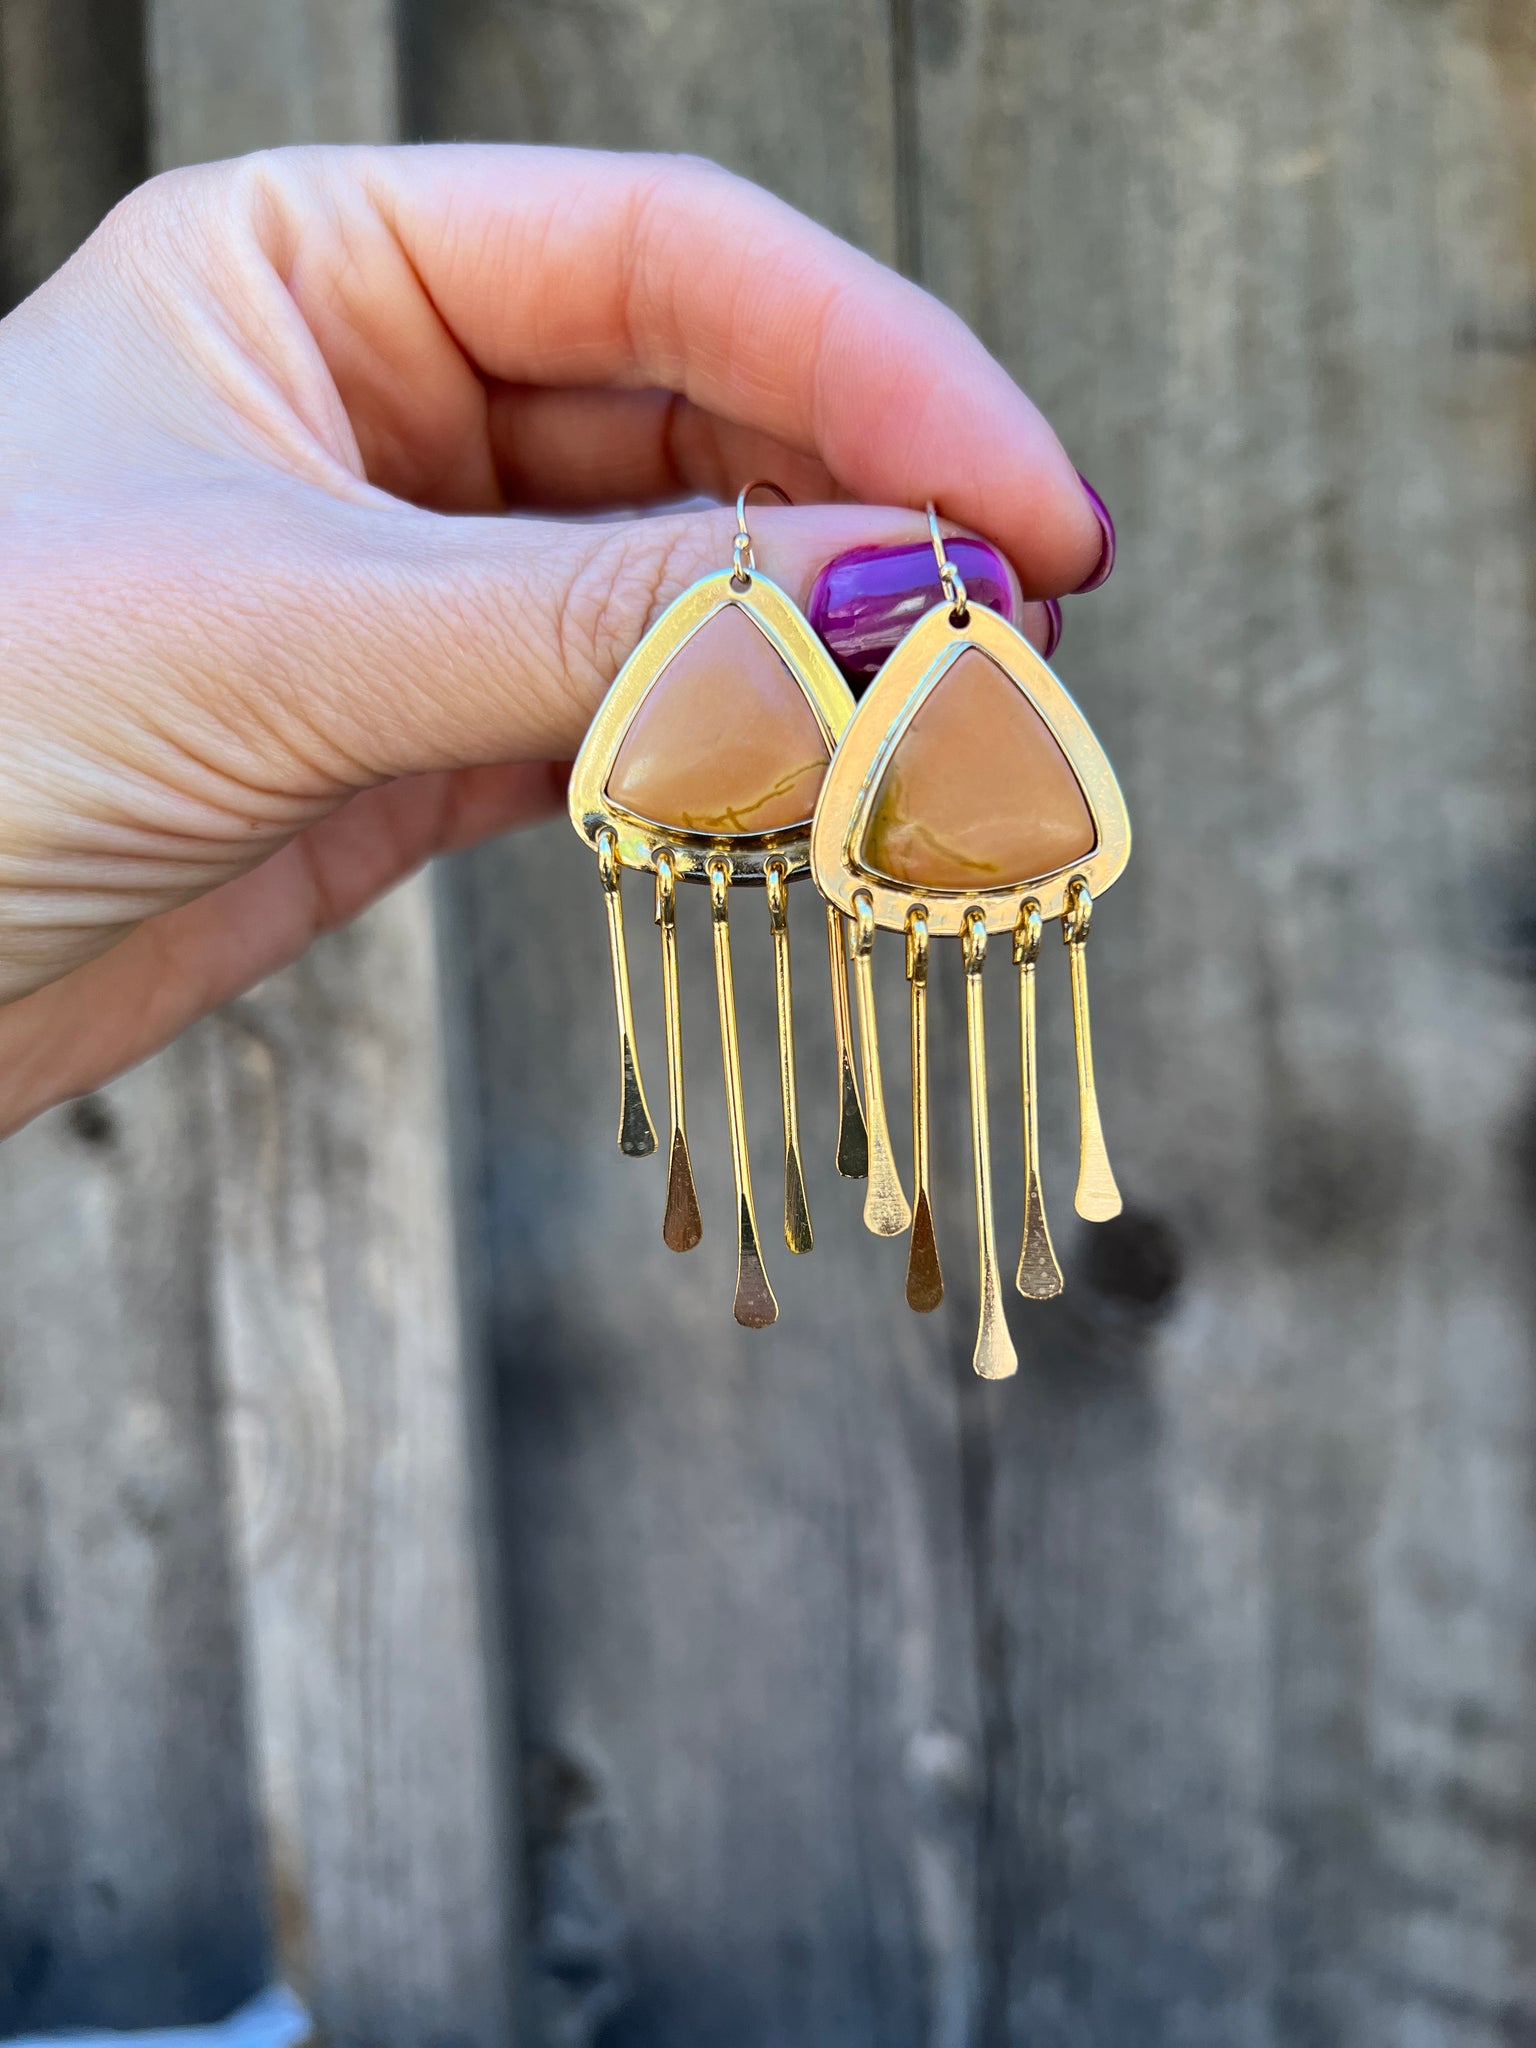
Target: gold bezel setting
(808,662)
(848,791)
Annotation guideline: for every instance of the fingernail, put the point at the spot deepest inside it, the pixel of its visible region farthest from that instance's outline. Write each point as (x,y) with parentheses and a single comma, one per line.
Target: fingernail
(866,599)
(1052,627)
(1106,560)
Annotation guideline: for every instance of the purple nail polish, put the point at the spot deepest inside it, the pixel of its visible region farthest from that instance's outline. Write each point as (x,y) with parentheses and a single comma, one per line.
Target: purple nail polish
(1106,560)
(866,599)
(1053,627)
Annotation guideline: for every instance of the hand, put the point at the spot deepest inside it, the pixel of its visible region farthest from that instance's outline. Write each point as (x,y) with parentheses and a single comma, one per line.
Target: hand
(251,674)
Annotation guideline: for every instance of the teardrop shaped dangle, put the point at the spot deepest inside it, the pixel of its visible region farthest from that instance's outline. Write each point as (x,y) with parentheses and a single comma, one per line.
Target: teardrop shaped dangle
(969,798)
(703,765)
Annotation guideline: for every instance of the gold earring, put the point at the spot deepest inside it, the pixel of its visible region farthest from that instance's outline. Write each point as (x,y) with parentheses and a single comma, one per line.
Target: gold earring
(703,765)
(968,797)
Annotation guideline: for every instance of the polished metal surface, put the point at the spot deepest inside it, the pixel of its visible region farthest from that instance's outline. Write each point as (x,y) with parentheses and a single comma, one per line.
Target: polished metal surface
(1097,1198)
(755,1305)
(682,1226)
(994,1357)
(637,1134)
(1039,1276)
(925,1278)
(885,1206)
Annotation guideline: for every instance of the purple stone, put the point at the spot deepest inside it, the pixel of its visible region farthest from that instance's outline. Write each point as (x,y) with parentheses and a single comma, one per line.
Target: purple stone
(866,600)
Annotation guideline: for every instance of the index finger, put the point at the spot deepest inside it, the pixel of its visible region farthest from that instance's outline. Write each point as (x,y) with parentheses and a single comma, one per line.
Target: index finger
(571,267)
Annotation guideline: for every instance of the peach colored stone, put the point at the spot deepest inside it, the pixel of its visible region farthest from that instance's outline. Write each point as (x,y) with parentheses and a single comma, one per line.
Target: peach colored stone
(978,794)
(725,741)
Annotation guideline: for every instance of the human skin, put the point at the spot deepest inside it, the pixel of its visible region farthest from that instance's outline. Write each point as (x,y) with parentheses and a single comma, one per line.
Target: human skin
(267,638)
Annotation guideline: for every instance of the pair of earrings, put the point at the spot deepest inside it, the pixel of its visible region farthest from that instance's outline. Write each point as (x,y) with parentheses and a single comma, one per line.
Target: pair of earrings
(965,796)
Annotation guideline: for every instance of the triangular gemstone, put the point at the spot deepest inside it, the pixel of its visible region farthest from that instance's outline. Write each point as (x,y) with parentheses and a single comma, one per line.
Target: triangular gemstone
(724,741)
(978,794)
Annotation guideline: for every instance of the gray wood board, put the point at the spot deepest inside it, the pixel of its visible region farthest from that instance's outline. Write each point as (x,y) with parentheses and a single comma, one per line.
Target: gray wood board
(1260,1552)
(378,1734)
(128,1890)
(1181,1690)
(72,138)
(377,1723)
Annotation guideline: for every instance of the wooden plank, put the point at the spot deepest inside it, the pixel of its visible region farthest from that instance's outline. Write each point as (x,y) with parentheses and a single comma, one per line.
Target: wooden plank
(1256,1538)
(72,136)
(1212,1635)
(746,1668)
(224,80)
(728,81)
(128,1893)
(377,1729)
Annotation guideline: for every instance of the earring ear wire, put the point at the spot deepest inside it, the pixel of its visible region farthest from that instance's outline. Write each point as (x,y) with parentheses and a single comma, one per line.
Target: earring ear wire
(950,579)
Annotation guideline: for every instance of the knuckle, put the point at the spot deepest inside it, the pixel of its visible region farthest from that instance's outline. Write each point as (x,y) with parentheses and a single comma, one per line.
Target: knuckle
(188,217)
(631,574)
(148,221)
(683,169)
(161,233)
(618,588)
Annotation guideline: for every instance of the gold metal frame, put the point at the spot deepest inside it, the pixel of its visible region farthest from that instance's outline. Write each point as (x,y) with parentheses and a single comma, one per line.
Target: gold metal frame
(903,686)
(808,662)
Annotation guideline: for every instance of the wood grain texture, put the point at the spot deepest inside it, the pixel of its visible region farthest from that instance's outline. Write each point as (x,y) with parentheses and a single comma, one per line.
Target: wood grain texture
(1182,1690)
(376,1716)
(225,78)
(734,81)
(72,138)
(128,1890)
(1256,1542)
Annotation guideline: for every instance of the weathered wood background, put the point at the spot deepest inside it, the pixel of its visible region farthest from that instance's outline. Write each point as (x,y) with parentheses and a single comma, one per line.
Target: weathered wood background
(408,1573)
